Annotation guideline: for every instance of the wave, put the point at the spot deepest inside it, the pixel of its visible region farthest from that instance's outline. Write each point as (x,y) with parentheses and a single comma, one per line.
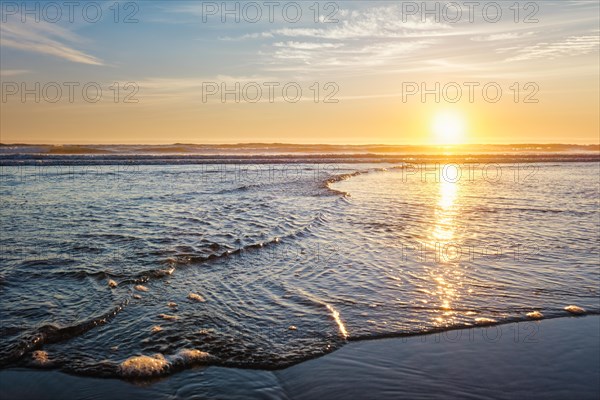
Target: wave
(492,210)
(278,148)
(243,188)
(145,368)
(338,178)
(480,322)
(52,334)
(137,159)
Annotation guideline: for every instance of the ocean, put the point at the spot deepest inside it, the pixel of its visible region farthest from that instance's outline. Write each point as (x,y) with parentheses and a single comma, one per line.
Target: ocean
(136,264)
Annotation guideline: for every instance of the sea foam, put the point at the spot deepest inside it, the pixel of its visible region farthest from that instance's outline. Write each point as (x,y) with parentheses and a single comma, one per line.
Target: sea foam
(196,297)
(168,317)
(575,310)
(188,356)
(535,315)
(485,321)
(40,357)
(149,366)
(144,366)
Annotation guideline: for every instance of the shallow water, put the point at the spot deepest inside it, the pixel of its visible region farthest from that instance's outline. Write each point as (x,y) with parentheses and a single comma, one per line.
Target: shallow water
(550,359)
(290,260)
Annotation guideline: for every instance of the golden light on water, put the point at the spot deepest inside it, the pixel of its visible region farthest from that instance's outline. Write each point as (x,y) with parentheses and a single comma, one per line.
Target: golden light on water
(336,316)
(445,214)
(448,275)
(448,192)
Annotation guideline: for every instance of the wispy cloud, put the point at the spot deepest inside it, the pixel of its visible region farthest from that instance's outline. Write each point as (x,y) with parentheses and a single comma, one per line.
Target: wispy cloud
(45,38)
(156,90)
(571,46)
(254,35)
(193,83)
(365,54)
(308,45)
(370,25)
(361,39)
(505,36)
(384,22)
(14,72)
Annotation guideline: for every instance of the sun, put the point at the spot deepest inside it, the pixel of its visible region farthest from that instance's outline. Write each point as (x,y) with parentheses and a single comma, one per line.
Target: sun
(448,128)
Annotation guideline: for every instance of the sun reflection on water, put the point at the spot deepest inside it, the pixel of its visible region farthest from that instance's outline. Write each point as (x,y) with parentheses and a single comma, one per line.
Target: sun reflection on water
(447,275)
(445,214)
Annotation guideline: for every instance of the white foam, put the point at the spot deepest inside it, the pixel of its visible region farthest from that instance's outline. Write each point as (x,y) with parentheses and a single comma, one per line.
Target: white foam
(144,366)
(575,310)
(40,357)
(196,297)
(535,315)
(191,355)
(147,366)
(485,321)
(168,317)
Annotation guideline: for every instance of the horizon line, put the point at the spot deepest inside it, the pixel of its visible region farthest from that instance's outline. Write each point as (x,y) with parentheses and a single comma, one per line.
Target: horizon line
(303,144)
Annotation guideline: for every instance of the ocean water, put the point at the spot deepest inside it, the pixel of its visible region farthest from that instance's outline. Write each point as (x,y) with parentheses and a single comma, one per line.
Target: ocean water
(133,270)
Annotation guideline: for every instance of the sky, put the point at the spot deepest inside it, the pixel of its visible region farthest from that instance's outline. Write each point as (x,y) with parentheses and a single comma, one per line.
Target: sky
(345,72)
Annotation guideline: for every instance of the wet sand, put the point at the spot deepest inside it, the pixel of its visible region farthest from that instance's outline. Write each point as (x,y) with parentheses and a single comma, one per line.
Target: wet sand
(548,359)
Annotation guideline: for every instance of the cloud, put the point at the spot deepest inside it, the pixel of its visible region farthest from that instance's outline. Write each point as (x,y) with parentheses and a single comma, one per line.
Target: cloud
(169,84)
(361,39)
(374,23)
(377,38)
(580,3)
(308,45)
(14,72)
(501,36)
(366,54)
(571,46)
(255,35)
(45,38)
(189,89)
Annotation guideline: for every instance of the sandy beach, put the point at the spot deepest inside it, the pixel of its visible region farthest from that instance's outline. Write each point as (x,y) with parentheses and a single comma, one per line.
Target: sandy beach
(549,359)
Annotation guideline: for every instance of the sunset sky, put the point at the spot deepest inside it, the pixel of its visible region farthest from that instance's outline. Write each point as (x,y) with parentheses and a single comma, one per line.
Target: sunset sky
(372,54)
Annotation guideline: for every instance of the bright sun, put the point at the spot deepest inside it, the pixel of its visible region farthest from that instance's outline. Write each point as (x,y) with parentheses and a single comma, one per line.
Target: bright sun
(448,128)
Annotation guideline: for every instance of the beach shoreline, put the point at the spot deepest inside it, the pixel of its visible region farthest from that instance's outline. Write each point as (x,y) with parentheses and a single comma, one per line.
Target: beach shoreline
(553,358)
